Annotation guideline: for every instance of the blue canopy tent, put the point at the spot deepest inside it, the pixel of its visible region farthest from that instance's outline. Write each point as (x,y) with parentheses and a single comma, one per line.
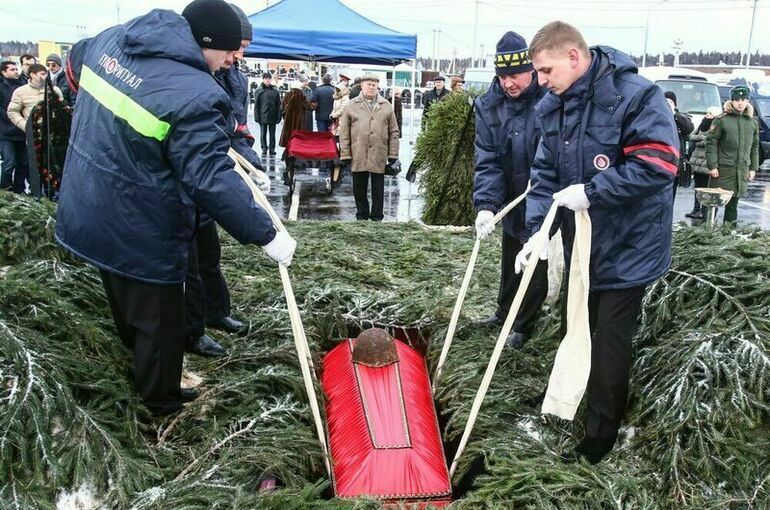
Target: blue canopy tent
(325,31)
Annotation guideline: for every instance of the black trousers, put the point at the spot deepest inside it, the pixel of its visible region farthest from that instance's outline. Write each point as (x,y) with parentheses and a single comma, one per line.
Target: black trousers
(361,192)
(207,298)
(509,284)
(613,317)
(150,319)
(701,181)
(264,129)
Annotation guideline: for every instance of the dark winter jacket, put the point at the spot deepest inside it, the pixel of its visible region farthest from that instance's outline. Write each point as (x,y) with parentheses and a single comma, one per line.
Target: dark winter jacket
(148,145)
(684,127)
(267,105)
(8,131)
(73,66)
(60,80)
(236,87)
(613,131)
(732,147)
(698,148)
(431,97)
(506,141)
(323,96)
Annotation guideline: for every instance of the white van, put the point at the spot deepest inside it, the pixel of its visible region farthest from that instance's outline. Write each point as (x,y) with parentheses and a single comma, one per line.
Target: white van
(694,92)
(478,78)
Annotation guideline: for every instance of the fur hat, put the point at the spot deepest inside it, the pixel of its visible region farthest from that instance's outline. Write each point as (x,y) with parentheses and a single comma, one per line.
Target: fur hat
(670,95)
(512,55)
(214,24)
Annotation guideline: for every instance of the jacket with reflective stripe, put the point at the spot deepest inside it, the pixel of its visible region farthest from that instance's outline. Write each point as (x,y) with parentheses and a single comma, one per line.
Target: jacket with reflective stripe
(148,145)
(613,131)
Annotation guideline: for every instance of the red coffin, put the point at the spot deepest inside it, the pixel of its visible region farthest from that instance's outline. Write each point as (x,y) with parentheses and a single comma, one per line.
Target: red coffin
(383,433)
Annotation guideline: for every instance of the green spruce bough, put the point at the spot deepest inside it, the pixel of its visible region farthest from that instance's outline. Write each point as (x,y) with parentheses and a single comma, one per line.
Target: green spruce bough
(444,157)
(72,429)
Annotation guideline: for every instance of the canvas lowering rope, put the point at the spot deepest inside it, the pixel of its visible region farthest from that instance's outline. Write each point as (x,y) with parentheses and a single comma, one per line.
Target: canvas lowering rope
(466,283)
(572,365)
(537,248)
(242,167)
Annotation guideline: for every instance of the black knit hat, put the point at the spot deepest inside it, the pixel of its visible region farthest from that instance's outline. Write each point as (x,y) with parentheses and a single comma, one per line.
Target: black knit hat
(214,24)
(740,92)
(512,55)
(670,95)
(247,31)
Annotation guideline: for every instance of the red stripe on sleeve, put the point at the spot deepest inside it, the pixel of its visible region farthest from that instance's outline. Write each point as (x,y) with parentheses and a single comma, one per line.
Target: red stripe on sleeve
(652,145)
(661,163)
(71,81)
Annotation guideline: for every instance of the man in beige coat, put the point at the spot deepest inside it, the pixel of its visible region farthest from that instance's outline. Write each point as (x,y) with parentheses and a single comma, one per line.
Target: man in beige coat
(28,96)
(368,134)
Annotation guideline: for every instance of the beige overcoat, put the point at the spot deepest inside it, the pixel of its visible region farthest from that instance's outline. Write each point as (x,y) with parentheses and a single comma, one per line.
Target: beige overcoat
(368,136)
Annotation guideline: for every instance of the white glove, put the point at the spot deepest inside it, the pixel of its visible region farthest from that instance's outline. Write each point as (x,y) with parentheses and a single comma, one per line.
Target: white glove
(281,248)
(522,259)
(261,179)
(484,223)
(573,197)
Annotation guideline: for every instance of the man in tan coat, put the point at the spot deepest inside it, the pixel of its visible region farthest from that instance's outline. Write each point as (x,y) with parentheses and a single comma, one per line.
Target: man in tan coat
(368,143)
(28,96)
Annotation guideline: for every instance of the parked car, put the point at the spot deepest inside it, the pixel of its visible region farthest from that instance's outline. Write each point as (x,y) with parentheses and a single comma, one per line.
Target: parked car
(694,92)
(479,78)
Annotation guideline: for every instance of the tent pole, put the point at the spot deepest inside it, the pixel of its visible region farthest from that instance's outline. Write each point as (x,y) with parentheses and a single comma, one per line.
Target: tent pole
(413,89)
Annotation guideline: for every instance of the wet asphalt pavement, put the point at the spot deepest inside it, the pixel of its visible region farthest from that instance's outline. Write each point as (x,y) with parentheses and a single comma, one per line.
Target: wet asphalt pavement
(403,202)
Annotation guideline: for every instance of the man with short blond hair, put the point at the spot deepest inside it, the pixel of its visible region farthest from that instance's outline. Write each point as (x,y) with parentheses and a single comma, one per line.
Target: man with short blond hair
(558,35)
(608,146)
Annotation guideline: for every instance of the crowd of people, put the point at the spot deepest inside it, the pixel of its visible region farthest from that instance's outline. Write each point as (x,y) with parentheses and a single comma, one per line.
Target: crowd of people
(148,177)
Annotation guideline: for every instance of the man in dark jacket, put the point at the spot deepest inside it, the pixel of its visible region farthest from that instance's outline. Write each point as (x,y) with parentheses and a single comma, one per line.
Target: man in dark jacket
(435,94)
(323,98)
(207,297)
(26,61)
(506,140)
(609,146)
(13,149)
(144,154)
(684,127)
(59,77)
(267,112)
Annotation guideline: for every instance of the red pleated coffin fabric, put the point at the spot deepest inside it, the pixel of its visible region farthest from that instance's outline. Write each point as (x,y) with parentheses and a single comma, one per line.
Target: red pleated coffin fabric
(383,432)
(312,145)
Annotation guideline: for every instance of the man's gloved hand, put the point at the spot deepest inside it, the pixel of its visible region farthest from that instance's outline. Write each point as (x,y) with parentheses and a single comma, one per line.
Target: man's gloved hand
(522,259)
(346,165)
(573,197)
(261,179)
(484,223)
(393,167)
(281,248)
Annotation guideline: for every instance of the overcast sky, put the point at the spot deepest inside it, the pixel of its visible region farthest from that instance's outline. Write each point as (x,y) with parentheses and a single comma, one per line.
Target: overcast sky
(699,24)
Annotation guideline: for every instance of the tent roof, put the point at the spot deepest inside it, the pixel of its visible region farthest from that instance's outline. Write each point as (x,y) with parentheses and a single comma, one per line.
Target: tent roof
(325,31)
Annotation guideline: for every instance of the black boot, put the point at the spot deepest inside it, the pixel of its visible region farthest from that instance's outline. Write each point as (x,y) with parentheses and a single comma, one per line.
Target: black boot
(516,340)
(592,449)
(227,324)
(492,320)
(188,394)
(204,346)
